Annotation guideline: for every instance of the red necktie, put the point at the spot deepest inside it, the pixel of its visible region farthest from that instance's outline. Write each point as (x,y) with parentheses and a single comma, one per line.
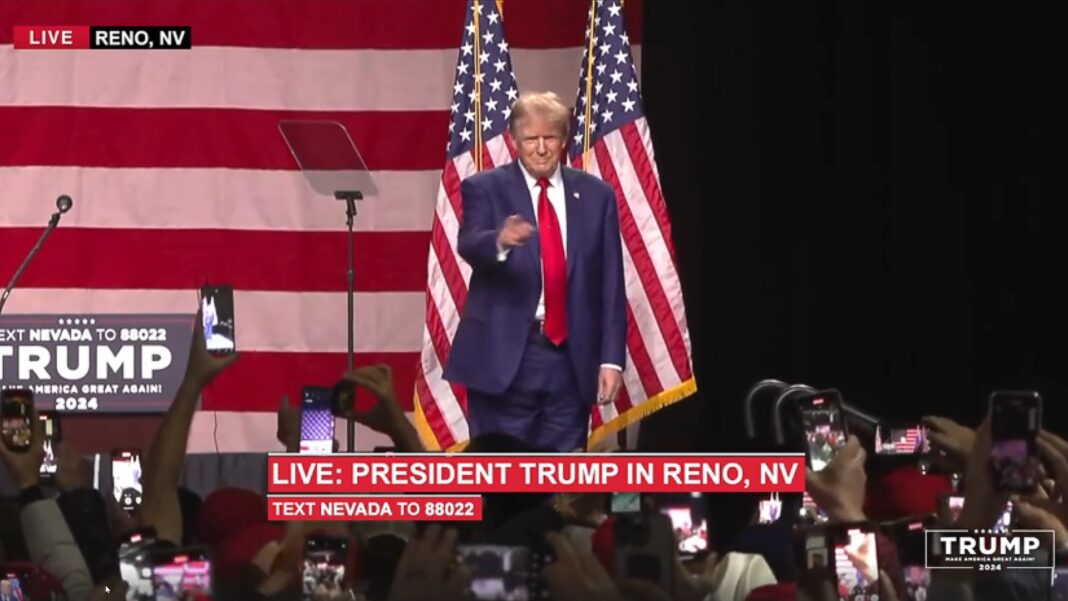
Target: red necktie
(554,267)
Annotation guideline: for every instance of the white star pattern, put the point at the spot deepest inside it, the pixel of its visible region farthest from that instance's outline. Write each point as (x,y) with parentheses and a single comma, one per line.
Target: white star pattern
(484,87)
(615,100)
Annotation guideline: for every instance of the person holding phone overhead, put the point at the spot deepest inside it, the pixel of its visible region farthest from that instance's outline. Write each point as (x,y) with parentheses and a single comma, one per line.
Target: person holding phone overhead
(543,331)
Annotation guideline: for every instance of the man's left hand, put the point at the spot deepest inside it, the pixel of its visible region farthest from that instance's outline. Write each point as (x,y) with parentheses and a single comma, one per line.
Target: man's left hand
(608,385)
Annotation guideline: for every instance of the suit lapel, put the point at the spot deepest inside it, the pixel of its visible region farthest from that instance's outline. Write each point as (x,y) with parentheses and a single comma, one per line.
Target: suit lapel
(574,218)
(522,206)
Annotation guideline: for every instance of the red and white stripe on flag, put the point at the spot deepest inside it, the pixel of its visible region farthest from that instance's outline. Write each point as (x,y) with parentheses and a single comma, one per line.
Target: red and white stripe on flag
(611,139)
(179,175)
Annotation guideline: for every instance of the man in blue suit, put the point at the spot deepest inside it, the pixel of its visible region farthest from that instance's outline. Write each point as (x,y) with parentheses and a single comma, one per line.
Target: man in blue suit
(543,334)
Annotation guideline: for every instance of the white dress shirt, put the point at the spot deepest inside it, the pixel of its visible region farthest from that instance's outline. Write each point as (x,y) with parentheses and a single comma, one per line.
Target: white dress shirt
(559,204)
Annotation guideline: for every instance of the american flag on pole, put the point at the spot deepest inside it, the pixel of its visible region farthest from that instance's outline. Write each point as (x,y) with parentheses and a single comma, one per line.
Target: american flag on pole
(179,174)
(483,94)
(610,139)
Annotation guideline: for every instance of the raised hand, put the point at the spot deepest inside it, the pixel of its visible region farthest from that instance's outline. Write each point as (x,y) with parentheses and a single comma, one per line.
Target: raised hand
(514,232)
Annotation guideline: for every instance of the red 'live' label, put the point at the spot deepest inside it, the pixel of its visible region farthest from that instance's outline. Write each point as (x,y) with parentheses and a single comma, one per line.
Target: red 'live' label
(51,37)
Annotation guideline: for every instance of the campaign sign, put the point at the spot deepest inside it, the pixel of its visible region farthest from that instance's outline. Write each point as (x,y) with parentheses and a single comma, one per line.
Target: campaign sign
(97,363)
(990,550)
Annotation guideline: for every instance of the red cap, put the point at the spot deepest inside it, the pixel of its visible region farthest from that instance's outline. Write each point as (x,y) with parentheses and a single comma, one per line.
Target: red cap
(241,548)
(228,511)
(604,543)
(905,492)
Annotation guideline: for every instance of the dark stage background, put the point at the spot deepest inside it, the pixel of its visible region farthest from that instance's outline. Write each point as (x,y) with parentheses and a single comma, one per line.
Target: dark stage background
(865,195)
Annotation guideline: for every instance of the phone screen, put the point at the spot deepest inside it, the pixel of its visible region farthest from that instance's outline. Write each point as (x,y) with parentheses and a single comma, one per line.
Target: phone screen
(501,573)
(325,558)
(821,417)
(770,509)
(181,574)
(16,410)
(14,584)
(1014,424)
(135,568)
(917,581)
(810,512)
(691,534)
(217,315)
(316,421)
(626,502)
(126,478)
(907,439)
(856,562)
(51,438)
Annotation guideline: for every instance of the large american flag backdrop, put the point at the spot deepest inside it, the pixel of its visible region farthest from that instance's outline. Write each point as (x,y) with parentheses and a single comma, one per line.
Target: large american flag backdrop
(179,174)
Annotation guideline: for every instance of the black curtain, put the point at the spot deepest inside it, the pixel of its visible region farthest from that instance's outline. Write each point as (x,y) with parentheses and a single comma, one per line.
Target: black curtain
(866,196)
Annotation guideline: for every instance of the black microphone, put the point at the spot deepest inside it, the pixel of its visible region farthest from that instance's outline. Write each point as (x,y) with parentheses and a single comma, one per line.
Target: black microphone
(63,203)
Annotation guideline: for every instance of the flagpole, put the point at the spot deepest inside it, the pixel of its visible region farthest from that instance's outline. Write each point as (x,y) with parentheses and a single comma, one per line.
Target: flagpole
(587,131)
(477,149)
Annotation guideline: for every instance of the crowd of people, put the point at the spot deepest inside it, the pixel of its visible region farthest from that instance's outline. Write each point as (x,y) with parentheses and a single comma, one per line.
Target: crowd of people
(67,535)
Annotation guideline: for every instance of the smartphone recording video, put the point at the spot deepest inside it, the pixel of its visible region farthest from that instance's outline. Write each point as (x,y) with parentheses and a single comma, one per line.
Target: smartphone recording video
(951,506)
(316,421)
(824,425)
(14,584)
(16,411)
(810,512)
(856,562)
(626,502)
(1015,420)
(135,565)
(181,575)
(901,439)
(645,548)
(126,478)
(690,528)
(910,538)
(51,439)
(217,314)
(502,573)
(769,510)
(325,558)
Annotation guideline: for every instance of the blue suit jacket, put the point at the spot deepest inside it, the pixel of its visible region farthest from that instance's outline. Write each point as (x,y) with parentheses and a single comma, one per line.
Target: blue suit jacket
(503,295)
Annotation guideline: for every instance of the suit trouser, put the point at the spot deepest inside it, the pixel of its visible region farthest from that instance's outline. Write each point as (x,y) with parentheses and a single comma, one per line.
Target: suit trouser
(542,406)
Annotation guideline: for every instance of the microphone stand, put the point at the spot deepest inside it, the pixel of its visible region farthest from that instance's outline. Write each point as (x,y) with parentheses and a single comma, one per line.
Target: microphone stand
(350,197)
(52,223)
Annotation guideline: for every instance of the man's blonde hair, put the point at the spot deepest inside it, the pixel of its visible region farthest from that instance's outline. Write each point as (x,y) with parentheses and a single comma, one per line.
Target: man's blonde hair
(544,104)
